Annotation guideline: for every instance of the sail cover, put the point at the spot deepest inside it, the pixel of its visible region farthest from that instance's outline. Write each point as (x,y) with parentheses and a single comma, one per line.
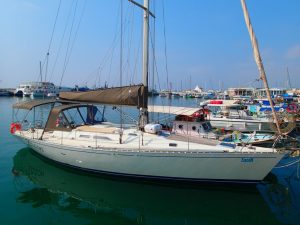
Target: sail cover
(136,95)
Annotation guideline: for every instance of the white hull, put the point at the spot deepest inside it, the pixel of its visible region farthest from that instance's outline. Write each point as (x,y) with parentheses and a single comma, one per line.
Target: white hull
(38,94)
(192,165)
(52,94)
(240,124)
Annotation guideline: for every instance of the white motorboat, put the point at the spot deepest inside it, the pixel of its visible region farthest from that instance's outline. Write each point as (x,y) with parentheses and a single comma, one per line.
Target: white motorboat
(45,89)
(231,115)
(39,89)
(25,89)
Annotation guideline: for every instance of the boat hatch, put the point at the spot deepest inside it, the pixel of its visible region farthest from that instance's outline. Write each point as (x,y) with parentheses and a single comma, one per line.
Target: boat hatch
(102,138)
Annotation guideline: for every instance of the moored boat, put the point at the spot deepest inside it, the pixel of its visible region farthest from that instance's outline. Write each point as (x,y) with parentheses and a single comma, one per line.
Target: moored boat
(87,142)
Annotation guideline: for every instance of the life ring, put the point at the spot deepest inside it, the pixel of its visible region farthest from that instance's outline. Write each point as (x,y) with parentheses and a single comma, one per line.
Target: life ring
(15,127)
(196,114)
(292,108)
(206,111)
(57,122)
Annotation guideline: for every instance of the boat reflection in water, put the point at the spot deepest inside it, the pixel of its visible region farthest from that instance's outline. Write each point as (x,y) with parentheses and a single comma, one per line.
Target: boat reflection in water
(282,194)
(100,200)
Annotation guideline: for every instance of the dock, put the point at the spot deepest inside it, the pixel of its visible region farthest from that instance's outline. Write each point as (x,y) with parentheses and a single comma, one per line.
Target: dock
(7,91)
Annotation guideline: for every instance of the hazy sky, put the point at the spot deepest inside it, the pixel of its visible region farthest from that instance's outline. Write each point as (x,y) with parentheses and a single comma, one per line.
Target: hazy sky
(205,41)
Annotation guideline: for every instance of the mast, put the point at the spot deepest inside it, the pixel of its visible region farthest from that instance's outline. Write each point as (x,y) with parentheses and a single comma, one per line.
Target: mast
(146,43)
(144,111)
(41,75)
(259,62)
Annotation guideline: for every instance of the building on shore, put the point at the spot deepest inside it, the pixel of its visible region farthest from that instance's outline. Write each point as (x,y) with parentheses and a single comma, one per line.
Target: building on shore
(261,92)
(246,92)
(293,91)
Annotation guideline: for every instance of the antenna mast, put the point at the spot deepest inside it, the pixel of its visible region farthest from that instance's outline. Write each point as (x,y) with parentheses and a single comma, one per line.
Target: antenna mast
(288,78)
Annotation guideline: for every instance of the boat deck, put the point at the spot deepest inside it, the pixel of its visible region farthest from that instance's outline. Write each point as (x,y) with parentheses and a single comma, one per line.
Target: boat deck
(193,139)
(107,137)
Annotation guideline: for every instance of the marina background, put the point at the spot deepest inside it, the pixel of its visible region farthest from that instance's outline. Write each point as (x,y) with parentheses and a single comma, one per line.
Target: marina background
(205,40)
(189,53)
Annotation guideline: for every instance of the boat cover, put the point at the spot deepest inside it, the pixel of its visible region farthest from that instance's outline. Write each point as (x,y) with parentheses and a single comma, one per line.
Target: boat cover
(55,114)
(136,95)
(176,110)
(32,103)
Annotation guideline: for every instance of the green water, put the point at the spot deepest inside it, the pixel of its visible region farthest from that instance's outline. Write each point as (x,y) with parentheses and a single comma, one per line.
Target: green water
(36,191)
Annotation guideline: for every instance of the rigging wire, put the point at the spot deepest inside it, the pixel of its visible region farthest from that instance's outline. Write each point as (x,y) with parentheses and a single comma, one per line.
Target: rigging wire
(77,29)
(153,55)
(68,53)
(137,57)
(152,46)
(121,44)
(62,39)
(109,57)
(121,67)
(166,57)
(130,38)
(109,53)
(68,45)
(127,36)
(55,21)
(112,55)
(69,39)
(40,74)
(165,42)
(51,39)
(155,63)
(155,69)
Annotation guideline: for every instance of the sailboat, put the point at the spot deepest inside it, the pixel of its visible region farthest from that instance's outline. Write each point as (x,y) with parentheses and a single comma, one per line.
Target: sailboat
(143,150)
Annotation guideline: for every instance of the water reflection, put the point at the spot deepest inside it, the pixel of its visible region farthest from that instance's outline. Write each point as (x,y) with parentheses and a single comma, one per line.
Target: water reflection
(283,193)
(100,200)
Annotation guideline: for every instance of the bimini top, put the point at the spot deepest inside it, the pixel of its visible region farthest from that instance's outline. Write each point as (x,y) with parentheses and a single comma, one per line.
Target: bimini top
(32,103)
(55,113)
